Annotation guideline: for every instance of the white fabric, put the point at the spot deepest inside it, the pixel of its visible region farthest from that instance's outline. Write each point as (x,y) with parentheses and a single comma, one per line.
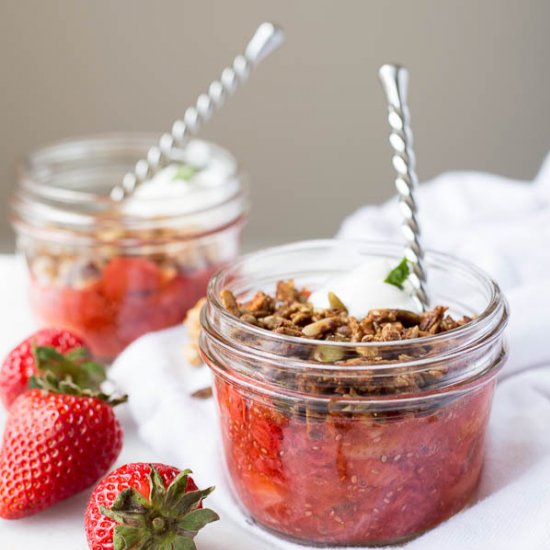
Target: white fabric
(504,227)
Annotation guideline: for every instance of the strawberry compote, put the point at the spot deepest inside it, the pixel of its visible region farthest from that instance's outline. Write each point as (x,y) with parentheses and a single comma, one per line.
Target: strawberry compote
(340,431)
(128,298)
(352,479)
(113,269)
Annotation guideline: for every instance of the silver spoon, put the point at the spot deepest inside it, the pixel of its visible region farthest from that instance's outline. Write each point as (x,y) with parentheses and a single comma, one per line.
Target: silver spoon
(394,81)
(267,38)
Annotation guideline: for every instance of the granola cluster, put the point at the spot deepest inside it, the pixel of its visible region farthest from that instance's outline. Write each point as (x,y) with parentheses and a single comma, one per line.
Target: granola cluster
(289,312)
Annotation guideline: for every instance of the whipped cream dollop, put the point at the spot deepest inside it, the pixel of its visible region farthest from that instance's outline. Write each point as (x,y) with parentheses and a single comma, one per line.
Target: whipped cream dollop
(203,180)
(363,289)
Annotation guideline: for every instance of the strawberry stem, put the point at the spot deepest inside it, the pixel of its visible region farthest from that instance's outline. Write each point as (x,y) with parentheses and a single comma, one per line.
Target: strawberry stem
(170,518)
(49,383)
(76,366)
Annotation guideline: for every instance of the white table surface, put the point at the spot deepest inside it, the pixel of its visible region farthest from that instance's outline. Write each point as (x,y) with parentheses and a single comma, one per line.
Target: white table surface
(61,527)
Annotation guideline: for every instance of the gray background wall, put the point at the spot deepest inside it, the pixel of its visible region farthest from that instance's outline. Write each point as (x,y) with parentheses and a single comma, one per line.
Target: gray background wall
(310,125)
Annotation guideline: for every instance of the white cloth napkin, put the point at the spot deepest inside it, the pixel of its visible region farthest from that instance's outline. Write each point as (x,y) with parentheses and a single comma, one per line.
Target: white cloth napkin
(504,227)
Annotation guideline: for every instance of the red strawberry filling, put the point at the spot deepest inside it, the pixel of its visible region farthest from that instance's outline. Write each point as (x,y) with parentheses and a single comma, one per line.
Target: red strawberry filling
(352,479)
(132,297)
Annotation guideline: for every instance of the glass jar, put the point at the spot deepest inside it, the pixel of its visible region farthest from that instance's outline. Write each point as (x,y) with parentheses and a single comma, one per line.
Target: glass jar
(112,271)
(331,454)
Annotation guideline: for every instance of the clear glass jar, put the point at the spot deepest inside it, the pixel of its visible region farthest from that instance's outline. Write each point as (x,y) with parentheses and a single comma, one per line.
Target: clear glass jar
(328,454)
(114,271)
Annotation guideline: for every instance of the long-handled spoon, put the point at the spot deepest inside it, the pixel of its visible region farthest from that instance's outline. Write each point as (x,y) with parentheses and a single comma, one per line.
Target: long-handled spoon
(394,81)
(267,38)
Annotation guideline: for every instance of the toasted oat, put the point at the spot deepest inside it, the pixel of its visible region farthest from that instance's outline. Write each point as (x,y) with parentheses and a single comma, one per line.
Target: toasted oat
(229,302)
(321,327)
(203,393)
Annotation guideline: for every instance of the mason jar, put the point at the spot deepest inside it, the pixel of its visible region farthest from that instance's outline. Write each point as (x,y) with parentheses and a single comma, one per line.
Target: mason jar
(327,451)
(112,271)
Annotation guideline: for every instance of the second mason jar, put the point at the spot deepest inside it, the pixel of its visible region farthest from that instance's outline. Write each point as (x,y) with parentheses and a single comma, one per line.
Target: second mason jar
(112,271)
(332,452)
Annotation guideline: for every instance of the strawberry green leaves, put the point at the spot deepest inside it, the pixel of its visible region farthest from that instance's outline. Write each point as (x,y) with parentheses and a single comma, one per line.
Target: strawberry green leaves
(399,274)
(50,383)
(72,373)
(194,521)
(168,520)
(75,366)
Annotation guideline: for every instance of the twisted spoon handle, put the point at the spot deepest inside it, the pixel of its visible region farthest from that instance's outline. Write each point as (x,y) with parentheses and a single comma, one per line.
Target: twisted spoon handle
(394,81)
(267,38)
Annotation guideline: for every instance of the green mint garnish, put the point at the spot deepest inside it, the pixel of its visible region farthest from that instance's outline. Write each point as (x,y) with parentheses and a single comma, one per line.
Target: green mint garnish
(185,172)
(398,275)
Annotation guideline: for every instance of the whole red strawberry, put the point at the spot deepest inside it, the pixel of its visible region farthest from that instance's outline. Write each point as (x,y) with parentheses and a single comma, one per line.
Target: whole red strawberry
(146,506)
(21,364)
(57,442)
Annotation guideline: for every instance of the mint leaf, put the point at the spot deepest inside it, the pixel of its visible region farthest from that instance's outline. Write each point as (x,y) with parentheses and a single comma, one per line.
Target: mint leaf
(398,275)
(185,172)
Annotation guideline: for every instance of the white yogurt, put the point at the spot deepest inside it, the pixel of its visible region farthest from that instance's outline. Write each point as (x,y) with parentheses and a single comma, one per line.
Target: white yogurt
(166,194)
(363,289)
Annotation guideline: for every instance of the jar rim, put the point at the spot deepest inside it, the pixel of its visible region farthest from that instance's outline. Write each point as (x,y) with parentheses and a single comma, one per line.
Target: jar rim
(35,197)
(456,359)
(497,303)
(450,387)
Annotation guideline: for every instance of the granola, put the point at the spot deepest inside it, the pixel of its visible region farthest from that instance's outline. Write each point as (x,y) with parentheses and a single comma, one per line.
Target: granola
(288,312)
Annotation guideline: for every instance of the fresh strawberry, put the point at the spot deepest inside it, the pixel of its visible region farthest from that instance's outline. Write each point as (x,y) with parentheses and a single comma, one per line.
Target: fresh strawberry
(58,441)
(146,506)
(21,362)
